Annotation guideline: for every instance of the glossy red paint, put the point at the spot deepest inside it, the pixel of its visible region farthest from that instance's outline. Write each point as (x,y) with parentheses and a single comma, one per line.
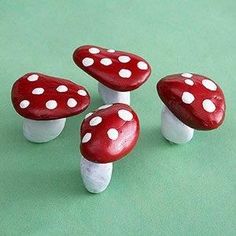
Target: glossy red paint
(194,99)
(121,71)
(110,137)
(41,97)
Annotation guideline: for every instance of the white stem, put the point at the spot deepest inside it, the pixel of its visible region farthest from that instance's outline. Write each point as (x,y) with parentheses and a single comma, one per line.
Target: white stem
(110,96)
(173,129)
(41,131)
(96,176)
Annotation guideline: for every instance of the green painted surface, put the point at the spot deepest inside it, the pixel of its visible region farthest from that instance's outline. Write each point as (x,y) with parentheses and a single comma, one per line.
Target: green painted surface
(159,189)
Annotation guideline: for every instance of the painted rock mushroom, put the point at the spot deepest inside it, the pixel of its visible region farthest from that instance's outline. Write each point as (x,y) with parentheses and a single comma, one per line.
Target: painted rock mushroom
(107,135)
(191,101)
(117,72)
(45,102)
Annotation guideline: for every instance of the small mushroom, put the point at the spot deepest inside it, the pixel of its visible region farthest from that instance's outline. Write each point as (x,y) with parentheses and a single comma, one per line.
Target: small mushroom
(117,72)
(191,101)
(45,102)
(107,135)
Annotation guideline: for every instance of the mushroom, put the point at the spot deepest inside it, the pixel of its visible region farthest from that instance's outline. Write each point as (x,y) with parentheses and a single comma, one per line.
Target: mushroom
(107,135)
(191,101)
(117,72)
(45,102)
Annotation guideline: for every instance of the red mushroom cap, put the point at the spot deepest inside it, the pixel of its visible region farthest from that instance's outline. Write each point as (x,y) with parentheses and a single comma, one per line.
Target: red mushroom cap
(121,71)
(41,97)
(194,99)
(109,133)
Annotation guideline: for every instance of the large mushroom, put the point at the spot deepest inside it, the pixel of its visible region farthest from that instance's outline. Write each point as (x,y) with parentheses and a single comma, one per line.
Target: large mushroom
(45,102)
(117,72)
(191,101)
(107,135)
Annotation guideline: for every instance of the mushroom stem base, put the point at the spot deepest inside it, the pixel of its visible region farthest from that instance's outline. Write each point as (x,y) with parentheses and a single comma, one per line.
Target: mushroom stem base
(96,177)
(41,131)
(173,129)
(110,96)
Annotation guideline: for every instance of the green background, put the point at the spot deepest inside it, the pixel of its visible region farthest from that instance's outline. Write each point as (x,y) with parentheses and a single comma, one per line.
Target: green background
(159,189)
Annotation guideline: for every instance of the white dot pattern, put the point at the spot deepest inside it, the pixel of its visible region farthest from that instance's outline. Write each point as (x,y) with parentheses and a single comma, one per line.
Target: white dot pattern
(33,78)
(187,75)
(40,99)
(125,73)
(113,134)
(106,61)
(51,104)
(24,104)
(87,61)
(38,91)
(124,59)
(206,100)
(142,65)
(117,64)
(111,50)
(95,121)
(86,137)
(189,82)
(208,105)
(62,89)
(125,115)
(94,50)
(187,98)
(108,126)
(71,102)
(209,84)
(82,92)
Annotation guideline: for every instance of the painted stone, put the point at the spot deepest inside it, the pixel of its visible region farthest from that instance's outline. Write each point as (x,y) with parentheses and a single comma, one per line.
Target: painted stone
(41,97)
(120,71)
(109,133)
(194,99)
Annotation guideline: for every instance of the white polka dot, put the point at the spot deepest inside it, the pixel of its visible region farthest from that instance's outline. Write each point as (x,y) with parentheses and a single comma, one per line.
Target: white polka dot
(94,50)
(71,102)
(86,137)
(142,65)
(38,91)
(33,77)
(187,75)
(88,115)
(82,92)
(208,105)
(112,134)
(111,50)
(187,98)
(24,104)
(106,61)
(87,61)
(124,73)
(125,115)
(95,121)
(62,89)
(209,84)
(51,104)
(189,82)
(105,106)
(124,59)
